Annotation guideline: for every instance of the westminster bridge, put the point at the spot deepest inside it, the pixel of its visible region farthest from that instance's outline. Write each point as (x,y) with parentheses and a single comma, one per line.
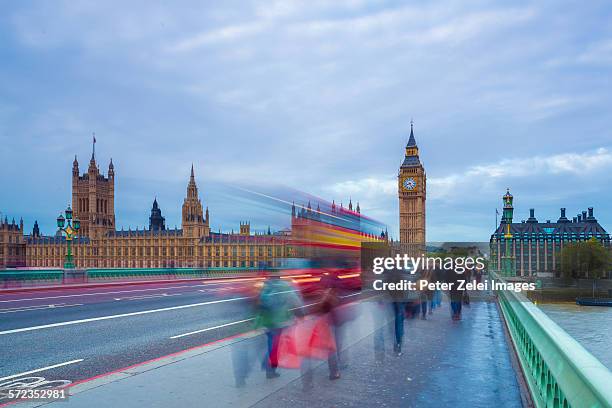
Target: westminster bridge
(163,338)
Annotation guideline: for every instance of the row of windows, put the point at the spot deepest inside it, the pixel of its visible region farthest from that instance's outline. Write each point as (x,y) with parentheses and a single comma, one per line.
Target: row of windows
(11,251)
(11,239)
(156,251)
(518,239)
(122,263)
(533,265)
(83,205)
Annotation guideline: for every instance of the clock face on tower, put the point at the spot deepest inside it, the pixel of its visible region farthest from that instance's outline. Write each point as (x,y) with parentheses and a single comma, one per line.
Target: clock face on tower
(409,183)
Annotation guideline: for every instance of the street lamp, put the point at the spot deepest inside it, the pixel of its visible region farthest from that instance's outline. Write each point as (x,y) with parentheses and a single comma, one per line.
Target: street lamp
(71,229)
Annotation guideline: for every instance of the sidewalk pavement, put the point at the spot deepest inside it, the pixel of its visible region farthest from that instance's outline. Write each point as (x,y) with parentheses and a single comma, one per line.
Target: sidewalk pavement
(445,363)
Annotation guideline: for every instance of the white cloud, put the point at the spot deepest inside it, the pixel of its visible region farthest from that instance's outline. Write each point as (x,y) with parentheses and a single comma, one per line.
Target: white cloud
(370,186)
(301,91)
(418,25)
(489,177)
(221,35)
(599,53)
(485,176)
(466,191)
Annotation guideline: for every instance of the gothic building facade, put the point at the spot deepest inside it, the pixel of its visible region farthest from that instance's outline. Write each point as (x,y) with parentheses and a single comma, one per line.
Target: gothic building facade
(12,246)
(412,192)
(93,198)
(101,245)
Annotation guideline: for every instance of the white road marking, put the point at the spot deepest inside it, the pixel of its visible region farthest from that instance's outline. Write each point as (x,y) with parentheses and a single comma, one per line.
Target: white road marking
(41,369)
(94,319)
(306,305)
(211,328)
(37,307)
(148,296)
(113,292)
(217,289)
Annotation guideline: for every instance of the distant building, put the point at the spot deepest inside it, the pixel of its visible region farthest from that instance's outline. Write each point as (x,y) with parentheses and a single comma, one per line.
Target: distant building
(12,246)
(531,247)
(156,221)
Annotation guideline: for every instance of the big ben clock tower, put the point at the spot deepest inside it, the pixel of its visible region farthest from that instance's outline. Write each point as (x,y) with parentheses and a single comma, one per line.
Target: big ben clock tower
(411,181)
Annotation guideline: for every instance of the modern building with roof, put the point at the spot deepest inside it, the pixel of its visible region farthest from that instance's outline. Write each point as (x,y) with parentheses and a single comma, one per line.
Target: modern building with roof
(531,247)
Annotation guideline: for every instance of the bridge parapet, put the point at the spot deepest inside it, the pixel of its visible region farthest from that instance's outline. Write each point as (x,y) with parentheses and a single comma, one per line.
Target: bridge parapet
(33,277)
(558,370)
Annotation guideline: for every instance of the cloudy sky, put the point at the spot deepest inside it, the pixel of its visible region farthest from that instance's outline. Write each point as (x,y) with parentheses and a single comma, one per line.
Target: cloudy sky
(314,95)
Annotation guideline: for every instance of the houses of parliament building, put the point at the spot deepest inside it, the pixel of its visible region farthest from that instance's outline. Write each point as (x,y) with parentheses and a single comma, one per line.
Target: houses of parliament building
(100,245)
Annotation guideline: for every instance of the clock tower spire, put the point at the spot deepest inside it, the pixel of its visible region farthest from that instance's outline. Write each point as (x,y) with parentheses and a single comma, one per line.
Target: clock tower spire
(412,193)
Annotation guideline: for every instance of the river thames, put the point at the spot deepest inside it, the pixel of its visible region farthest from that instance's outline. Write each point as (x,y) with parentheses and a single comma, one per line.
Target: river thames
(591,326)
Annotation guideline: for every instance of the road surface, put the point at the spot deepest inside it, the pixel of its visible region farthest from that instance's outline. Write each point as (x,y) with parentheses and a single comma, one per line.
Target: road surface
(72,335)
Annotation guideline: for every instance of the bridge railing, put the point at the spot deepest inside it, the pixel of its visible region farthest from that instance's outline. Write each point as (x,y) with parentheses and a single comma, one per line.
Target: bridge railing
(36,277)
(167,273)
(17,277)
(558,370)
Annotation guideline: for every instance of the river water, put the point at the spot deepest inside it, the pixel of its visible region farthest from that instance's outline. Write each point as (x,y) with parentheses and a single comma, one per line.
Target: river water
(591,326)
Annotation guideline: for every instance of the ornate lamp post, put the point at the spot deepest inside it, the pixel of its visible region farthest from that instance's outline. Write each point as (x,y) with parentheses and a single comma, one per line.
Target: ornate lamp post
(71,229)
(508,258)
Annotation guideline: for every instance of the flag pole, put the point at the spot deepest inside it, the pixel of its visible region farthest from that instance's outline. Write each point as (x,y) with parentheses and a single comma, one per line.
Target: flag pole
(496,213)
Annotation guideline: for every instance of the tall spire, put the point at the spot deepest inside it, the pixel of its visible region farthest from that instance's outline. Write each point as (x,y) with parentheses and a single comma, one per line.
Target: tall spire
(192,189)
(75,167)
(93,168)
(194,222)
(412,151)
(93,151)
(411,140)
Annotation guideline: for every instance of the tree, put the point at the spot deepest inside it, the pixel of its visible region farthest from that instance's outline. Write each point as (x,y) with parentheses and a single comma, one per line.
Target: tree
(587,259)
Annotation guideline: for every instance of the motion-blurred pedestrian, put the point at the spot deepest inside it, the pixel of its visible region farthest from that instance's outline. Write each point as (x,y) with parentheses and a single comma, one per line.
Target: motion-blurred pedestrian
(276,307)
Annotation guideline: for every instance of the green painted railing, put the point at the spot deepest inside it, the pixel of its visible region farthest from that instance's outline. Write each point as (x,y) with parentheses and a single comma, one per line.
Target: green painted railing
(26,275)
(167,272)
(558,370)
(20,277)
